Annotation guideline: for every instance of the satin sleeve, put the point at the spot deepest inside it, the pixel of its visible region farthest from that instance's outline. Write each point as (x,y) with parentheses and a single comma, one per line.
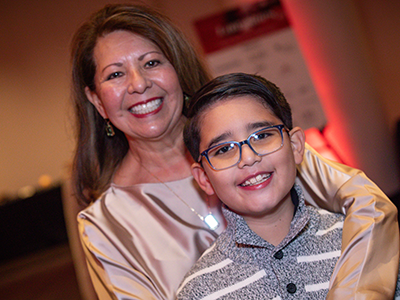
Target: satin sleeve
(125,282)
(369,261)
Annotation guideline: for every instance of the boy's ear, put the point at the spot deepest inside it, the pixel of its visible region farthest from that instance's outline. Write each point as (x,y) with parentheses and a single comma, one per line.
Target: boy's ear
(95,100)
(297,141)
(202,179)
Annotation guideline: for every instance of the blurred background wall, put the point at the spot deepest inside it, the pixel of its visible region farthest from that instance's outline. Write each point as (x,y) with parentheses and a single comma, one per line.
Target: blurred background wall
(351,48)
(36,140)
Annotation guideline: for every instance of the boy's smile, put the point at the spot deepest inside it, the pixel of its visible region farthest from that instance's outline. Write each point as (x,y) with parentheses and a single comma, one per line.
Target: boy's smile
(258,186)
(255,182)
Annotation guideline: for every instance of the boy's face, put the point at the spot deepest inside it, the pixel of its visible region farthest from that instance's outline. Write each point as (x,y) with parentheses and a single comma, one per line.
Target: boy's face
(258,185)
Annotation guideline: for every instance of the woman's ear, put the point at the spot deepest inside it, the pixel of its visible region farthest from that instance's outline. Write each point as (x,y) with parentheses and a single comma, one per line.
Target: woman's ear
(202,179)
(297,141)
(95,100)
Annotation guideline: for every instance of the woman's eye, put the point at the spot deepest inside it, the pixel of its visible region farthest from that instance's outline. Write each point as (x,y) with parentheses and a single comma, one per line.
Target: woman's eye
(114,75)
(152,63)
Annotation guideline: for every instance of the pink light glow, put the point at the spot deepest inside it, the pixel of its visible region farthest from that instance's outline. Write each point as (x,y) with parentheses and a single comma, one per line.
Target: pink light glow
(316,140)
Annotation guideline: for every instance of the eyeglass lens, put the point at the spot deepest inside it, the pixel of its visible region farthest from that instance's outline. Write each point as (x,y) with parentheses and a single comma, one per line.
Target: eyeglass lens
(262,142)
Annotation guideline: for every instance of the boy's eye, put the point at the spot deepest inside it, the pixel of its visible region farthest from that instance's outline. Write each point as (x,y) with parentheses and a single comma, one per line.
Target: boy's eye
(224,149)
(261,136)
(114,75)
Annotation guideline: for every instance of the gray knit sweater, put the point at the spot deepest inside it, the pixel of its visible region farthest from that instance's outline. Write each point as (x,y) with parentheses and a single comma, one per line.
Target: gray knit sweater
(241,265)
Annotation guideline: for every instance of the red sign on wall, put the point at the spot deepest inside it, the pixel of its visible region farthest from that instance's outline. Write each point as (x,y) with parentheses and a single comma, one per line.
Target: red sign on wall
(239,25)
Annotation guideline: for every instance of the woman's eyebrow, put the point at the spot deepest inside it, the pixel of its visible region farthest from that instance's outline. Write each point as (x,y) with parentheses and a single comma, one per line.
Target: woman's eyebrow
(141,57)
(118,64)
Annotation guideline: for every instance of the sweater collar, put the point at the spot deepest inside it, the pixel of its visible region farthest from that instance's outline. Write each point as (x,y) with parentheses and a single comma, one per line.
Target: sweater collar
(243,235)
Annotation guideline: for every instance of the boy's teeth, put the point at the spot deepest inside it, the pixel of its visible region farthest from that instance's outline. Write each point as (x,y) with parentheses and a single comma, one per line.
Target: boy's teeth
(256,180)
(145,108)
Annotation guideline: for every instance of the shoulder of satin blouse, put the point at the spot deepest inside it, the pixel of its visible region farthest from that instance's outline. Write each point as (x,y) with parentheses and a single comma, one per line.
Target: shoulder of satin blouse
(330,185)
(94,209)
(102,217)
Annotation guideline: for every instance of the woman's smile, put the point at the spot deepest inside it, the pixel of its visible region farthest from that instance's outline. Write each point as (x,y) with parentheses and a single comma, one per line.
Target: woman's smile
(145,108)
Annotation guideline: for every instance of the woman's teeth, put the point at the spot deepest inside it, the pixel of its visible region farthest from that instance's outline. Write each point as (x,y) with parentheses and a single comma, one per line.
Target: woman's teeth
(256,180)
(146,108)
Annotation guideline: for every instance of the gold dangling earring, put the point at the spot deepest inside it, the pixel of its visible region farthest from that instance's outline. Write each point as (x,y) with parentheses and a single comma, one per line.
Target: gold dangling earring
(109,128)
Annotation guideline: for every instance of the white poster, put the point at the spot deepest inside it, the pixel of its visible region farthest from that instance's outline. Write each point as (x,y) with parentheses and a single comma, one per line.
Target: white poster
(257,39)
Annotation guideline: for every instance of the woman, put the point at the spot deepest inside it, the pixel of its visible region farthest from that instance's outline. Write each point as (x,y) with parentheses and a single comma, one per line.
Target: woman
(145,227)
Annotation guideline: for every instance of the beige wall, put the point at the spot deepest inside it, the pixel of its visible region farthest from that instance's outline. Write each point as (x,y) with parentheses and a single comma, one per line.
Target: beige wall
(346,69)
(35,132)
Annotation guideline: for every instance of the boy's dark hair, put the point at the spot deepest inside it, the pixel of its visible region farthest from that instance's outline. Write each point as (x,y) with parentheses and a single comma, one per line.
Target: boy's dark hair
(233,85)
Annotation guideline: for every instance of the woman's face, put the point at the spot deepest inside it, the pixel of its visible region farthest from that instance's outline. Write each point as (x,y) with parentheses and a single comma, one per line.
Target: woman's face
(137,88)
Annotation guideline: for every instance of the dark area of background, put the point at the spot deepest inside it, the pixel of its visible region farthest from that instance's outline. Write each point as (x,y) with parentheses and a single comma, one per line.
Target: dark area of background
(35,258)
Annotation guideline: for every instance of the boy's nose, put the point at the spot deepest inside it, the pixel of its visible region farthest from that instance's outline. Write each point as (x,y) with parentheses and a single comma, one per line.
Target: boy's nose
(138,82)
(249,157)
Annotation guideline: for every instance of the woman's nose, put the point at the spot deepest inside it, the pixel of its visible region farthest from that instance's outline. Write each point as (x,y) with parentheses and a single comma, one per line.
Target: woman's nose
(138,82)
(249,157)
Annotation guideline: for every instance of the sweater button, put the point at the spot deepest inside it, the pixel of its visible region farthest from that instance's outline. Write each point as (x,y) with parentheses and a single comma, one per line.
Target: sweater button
(279,254)
(291,288)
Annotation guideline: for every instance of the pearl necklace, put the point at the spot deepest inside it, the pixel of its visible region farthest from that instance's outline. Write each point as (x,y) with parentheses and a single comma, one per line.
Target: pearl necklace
(209,220)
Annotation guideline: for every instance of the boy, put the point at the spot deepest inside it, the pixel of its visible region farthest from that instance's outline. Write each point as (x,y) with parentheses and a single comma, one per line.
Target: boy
(241,136)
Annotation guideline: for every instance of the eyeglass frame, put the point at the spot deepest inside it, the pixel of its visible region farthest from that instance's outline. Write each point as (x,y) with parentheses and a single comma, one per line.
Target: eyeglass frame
(281,127)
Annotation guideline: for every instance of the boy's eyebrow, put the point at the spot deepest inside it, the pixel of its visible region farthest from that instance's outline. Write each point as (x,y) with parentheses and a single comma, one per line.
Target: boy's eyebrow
(250,127)
(258,125)
(219,138)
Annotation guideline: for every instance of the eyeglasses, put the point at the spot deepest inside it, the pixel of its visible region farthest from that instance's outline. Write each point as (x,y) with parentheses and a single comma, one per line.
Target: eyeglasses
(229,154)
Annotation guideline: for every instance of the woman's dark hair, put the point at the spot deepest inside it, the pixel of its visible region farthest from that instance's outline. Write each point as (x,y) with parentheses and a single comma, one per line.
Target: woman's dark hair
(228,86)
(97,156)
